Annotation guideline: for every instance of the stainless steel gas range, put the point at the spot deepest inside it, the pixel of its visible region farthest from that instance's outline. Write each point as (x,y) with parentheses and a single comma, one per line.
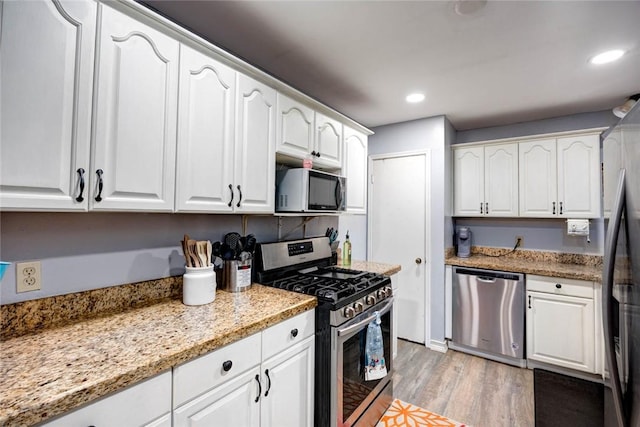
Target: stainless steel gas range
(348,301)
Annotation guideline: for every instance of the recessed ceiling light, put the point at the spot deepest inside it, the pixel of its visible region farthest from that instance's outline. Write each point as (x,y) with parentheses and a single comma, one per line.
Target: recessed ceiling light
(415,97)
(606,57)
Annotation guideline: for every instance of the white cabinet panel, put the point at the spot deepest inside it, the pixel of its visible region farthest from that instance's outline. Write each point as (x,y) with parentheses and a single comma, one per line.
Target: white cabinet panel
(355,170)
(328,142)
(501,180)
(295,128)
(579,176)
(288,398)
(135,115)
(255,147)
(468,191)
(46,77)
(205,133)
(612,162)
(147,403)
(538,178)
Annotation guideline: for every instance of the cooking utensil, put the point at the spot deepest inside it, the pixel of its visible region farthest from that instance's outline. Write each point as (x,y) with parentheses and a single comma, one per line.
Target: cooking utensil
(193,252)
(209,252)
(251,243)
(201,251)
(215,248)
(185,250)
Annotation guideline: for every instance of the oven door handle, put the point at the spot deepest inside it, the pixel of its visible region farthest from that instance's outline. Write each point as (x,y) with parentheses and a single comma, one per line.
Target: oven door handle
(347,330)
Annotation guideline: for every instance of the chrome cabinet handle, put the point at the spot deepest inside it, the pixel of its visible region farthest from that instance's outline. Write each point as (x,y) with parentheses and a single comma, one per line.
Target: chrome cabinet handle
(231,201)
(266,372)
(259,388)
(99,172)
(554,207)
(240,199)
(81,176)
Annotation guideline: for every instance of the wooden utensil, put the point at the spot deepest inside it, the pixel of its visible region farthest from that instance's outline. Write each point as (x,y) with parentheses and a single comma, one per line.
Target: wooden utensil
(201,250)
(185,250)
(193,252)
(209,252)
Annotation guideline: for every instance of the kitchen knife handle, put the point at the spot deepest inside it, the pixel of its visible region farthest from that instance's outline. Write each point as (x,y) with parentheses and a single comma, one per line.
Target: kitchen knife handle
(266,372)
(560,208)
(259,388)
(554,207)
(81,177)
(231,201)
(240,199)
(99,172)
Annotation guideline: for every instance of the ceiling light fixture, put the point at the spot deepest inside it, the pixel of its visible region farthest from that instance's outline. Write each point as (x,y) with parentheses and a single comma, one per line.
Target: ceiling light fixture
(606,57)
(415,98)
(623,109)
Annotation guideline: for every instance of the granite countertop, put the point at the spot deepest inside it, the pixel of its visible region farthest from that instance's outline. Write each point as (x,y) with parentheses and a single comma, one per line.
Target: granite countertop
(375,267)
(55,370)
(566,266)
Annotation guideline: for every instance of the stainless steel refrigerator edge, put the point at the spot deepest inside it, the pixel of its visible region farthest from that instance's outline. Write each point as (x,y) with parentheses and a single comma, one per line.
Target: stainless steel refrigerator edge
(621,273)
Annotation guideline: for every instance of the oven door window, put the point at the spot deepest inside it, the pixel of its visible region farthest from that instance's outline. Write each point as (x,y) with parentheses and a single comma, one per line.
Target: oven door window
(355,390)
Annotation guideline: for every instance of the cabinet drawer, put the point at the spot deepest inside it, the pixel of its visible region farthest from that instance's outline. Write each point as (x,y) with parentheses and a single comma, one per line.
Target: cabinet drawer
(145,403)
(569,287)
(197,376)
(284,334)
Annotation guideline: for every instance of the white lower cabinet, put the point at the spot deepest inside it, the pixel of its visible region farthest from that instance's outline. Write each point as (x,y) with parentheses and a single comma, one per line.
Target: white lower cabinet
(147,404)
(563,323)
(266,379)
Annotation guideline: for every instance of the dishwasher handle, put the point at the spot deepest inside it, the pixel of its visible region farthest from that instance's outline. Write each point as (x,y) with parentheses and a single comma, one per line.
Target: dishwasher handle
(488,275)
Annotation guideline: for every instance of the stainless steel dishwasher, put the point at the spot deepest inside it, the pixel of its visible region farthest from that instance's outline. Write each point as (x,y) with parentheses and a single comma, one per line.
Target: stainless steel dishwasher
(488,314)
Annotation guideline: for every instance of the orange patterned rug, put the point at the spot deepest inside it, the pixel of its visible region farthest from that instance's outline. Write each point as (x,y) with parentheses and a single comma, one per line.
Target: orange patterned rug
(402,414)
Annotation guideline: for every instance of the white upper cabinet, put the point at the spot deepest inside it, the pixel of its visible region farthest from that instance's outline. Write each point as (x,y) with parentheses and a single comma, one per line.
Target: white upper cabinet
(206,112)
(304,133)
(254,177)
(612,162)
(295,130)
(560,177)
(328,150)
(579,176)
(355,169)
(46,77)
(135,116)
(486,180)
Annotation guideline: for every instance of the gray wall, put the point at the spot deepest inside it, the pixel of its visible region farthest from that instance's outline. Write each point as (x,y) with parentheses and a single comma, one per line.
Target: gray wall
(84,251)
(433,133)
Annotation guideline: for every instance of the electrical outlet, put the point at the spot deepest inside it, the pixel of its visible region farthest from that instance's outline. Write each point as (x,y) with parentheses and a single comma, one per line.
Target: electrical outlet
(28,276)
(519,241)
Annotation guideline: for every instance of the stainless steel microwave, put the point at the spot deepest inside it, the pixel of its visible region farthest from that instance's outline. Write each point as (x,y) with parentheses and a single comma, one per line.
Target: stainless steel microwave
(309,190)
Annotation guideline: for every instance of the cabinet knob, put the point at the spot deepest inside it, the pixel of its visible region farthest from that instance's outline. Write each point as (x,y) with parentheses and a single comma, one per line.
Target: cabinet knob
(313,153)
(226,366)
(318,154)
(294,332)
(418,260)
(558,286)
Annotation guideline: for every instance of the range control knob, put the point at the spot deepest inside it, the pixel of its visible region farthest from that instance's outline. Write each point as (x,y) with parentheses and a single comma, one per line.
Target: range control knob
(358,307)
(349,312)
(370,300)
(388,291)
(381,294)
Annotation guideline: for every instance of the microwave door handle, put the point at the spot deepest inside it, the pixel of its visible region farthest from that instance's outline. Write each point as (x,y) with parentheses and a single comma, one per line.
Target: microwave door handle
(607,294)
(347,330)
(338,193)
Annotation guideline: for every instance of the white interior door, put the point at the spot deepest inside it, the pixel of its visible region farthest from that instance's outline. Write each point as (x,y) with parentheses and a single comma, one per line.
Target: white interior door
(398,213)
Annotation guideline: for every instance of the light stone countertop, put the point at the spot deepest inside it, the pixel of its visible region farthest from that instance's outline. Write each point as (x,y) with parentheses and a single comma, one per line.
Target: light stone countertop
(375,267)
(53,371)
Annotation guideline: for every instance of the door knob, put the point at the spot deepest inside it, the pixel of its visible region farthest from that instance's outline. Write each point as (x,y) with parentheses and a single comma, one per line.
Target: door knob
(418,260)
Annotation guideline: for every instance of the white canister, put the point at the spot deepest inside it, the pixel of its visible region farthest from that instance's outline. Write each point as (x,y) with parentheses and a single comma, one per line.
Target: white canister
(198,285)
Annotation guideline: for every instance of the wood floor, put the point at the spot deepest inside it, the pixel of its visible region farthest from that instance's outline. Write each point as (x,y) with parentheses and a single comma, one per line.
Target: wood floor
(465,388)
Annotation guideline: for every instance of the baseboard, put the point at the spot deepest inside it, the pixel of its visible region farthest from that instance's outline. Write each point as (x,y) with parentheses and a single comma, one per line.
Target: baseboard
(440,346)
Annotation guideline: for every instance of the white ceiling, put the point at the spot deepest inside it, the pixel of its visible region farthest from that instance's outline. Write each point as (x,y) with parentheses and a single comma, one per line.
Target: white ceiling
(512,61)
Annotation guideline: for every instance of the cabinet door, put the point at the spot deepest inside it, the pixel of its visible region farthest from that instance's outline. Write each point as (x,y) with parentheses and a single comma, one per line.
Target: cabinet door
(579,176)
(295,130)
(538,178)
(205,133)
(255,147)
(328,142)
(561,330)
(612,162)
(231,404)
(355,169)
(468,181)
(288,381)
(46,77)
(501,180)
(135,116)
